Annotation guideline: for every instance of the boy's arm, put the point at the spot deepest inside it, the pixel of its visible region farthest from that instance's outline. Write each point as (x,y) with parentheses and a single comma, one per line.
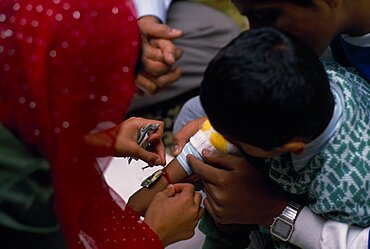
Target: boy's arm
(141,199)
(179,168)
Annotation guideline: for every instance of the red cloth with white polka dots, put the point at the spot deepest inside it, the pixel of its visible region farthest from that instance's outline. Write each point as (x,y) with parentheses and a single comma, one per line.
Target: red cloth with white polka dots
(65,66)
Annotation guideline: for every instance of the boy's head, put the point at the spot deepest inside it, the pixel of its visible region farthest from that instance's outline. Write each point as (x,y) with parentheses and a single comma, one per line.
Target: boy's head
(316,22)
(267,89)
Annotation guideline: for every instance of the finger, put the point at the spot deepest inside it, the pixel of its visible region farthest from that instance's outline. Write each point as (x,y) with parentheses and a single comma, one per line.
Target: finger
(146,85)
(178,53)
(185,188)
(152,28)
(226,161)
(153,52)
(193,178)
(153,60)
(206,172)
(201,213)
(167,48)
(170,52)
(211,190)
(165,32)
(150,84)
(149,157)
(169,191)
(168,78)
(183,135)
(155,68)
(155,139)
(158,133)
(197,198)
(212,211)
(209,208)
(159,147)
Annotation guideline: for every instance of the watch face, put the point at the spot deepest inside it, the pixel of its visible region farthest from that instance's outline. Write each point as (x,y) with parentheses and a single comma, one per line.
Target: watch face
(281,229)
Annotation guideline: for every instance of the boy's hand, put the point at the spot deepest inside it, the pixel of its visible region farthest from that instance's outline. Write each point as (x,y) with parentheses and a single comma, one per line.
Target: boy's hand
(174,213)
(126,141)
(236,192)
(183,135)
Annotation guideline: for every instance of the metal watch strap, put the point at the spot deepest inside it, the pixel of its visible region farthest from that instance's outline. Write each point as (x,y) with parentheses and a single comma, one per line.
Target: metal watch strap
(291,211)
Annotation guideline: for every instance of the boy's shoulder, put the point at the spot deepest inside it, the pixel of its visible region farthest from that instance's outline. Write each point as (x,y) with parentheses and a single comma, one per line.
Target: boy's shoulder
(347,76)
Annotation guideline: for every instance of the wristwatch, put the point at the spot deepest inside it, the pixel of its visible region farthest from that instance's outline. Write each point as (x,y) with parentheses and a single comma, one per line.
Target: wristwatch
(283,226)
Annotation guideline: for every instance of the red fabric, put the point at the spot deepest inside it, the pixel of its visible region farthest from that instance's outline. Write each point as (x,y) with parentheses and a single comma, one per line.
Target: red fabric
(65,66)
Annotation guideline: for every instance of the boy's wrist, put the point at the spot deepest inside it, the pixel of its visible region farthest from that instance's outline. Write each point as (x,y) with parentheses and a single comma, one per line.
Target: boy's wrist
(167,176)
(279,207)
(284,224)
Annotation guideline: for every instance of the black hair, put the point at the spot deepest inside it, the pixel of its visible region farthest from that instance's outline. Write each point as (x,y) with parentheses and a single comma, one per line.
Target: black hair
(265,88)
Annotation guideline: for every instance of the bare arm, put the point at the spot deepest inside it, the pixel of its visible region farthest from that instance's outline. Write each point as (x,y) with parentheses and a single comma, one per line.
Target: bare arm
(140,200)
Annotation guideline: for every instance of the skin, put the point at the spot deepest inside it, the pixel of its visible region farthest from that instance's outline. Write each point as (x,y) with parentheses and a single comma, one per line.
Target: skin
(295,146)
(224,175)
(126,144)
(166,215)
(140,200)
(229,177)
(234,174)
(159,55)
(164,210)
(121,140)
(317,25)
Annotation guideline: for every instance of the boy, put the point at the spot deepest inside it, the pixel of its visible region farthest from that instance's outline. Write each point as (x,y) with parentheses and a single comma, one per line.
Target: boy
(280,86)
(322,130)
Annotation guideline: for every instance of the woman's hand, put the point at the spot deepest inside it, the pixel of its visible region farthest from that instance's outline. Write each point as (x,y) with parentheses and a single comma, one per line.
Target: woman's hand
(126,141)
(174,213)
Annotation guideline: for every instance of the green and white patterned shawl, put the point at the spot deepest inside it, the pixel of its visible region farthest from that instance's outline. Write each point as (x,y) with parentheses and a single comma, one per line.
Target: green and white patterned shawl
(337,179)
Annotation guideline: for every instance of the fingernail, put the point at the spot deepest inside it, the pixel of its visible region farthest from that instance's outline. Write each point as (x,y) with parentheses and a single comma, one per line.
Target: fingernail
(175,31)
(206,152)
(176,149)
(158,161)
(172,57)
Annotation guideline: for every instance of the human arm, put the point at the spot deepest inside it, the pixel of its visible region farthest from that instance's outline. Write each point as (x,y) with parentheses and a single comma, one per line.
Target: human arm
(121,140)
(141,199)
(177,170)
(166,215)
(236,174)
